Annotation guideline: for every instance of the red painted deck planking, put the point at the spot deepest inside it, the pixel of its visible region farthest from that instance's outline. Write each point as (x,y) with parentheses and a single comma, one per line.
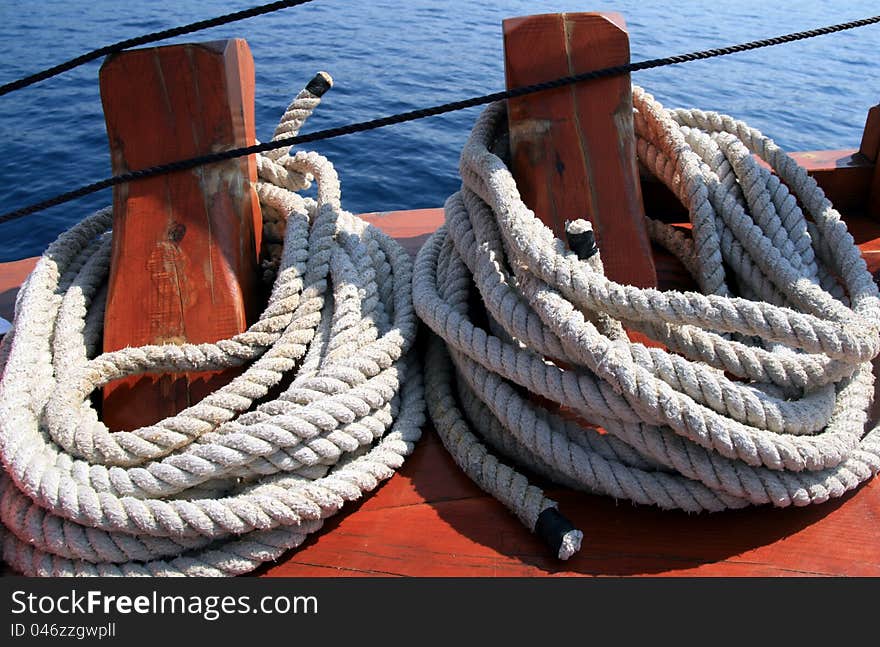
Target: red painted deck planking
(430,520)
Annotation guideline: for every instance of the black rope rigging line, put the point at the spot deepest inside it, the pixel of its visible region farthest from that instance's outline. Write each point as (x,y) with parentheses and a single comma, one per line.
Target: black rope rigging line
(55,70)
(421,113)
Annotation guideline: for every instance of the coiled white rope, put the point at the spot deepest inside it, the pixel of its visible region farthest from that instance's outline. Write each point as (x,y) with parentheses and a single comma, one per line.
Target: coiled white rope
(761,398)
(244,475)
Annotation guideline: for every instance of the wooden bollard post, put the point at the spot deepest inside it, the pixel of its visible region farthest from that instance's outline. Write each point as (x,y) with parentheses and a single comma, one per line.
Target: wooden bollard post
(870,148)
(573,148)
(185,244)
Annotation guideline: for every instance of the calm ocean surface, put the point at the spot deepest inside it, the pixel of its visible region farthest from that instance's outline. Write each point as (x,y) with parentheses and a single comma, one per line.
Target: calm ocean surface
(387,56)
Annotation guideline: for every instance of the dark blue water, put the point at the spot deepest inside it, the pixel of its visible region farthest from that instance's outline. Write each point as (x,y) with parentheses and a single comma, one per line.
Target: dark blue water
(392,55)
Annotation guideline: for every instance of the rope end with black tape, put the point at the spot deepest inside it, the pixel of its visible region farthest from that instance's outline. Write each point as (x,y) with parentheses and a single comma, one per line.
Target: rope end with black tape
(558,533)
(581,238)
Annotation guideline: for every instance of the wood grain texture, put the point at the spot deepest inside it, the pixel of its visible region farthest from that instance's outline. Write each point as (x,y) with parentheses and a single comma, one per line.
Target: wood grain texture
(186,244)
(573,148)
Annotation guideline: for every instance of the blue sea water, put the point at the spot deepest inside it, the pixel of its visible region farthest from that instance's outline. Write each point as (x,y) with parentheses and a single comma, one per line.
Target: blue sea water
(388,56)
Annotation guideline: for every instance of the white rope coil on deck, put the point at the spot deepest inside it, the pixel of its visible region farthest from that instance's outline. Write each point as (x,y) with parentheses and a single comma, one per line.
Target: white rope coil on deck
(761,398)
(328,404)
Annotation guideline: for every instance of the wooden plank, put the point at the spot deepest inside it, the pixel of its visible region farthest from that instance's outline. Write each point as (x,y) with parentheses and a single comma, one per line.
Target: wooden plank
(573,148)
(12,275)
(843,175)
(185,245)
(874,196)
(411,228)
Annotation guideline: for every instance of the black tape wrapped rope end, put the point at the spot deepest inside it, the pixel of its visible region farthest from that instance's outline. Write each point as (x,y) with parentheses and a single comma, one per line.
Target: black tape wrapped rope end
(558,533)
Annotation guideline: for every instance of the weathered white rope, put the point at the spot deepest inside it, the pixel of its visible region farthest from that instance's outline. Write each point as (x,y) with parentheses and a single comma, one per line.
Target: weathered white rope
(242,476)
(760,398)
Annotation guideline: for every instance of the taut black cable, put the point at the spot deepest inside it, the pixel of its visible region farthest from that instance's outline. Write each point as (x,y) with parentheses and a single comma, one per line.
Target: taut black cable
(421,113)
(146,38)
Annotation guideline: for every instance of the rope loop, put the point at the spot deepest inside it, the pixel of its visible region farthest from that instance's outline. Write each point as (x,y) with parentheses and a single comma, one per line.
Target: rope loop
(242,476)
(762,391)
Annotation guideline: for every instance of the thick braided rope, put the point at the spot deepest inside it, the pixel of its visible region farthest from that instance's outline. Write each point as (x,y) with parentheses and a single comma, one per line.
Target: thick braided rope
(762,394)
(242,476)
(274,171)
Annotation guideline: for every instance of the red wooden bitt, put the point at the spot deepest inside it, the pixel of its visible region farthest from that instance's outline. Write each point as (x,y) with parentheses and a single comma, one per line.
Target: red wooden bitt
(870,148)
(465,532)
(573,148)
(185,245)
(871,135)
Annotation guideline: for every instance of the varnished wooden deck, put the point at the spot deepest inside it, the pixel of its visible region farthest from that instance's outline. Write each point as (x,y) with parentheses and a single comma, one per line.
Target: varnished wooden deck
(430,520)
